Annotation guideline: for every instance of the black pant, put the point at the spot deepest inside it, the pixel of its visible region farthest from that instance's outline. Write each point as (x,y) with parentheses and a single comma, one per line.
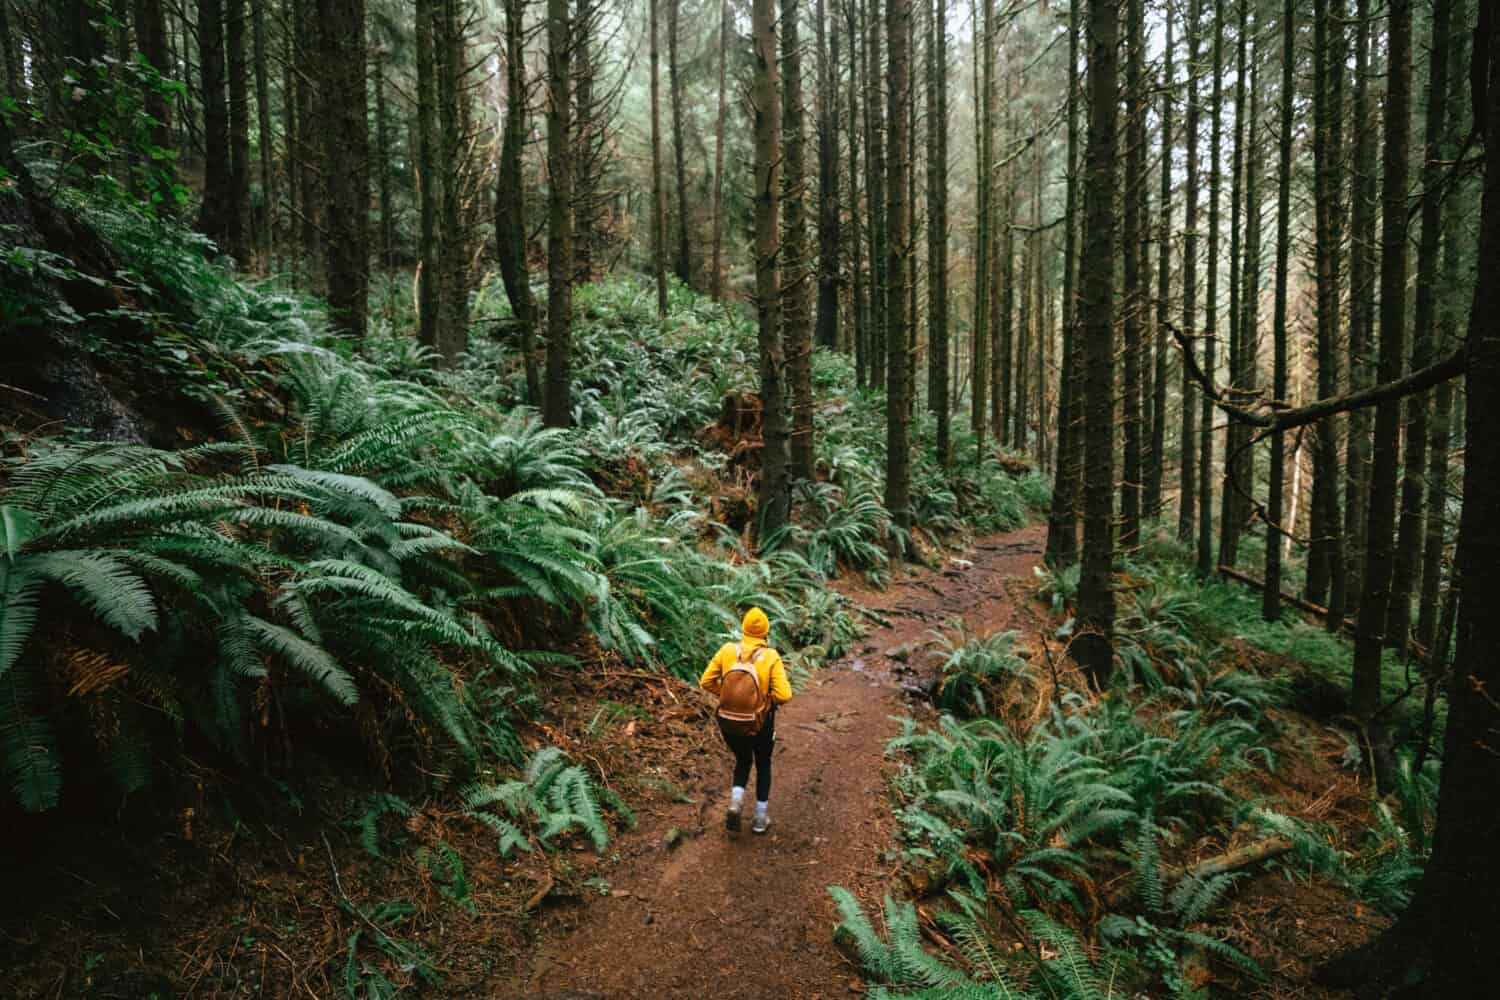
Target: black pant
(757,748)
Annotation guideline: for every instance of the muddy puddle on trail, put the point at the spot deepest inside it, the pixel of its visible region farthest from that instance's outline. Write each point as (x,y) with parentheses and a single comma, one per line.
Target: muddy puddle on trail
(693,911)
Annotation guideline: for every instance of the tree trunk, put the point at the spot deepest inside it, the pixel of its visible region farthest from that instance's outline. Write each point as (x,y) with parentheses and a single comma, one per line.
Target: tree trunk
(1206,561)
(1133,293)
(346,159)
(1094,646)
(588,141)
(1374,601)
(679,140)
(557,408)
(240,233)
(215,219)
(1361,306)
(290,137)
(1187,482)
(151,37)
(1243,482)
(1325,565)
(268,189)
(429,179)
(1455,211)
(1445,931)
(1235,434)
(1406,564)
(1062,517)
(898,228)
(1002,292)
(383,163)
(510,199)
(796,316)
(10,51)
(658,193)
(827,325)
(1271,598)
(875,154)
(717,280)
(980,372)
(765,98)
(856,231)
(1152,501)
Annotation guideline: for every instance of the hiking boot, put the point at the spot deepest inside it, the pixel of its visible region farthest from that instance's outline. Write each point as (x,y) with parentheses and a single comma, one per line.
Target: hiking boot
(732,819)
(762,823)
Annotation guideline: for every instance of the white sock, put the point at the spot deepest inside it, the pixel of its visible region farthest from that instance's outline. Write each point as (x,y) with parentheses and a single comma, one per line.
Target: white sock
(762,807)
(737,796)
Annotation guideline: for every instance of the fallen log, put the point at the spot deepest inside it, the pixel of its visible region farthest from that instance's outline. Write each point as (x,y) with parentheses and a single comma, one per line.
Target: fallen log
(1241,857)
(1233,860)
(1413,649)
(1292,599)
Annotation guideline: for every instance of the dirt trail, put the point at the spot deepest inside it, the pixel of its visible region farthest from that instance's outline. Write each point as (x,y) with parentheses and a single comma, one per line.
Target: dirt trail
(750,917)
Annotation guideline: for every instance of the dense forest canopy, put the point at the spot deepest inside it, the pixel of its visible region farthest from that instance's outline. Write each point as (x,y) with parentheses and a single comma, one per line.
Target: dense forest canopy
(370,359)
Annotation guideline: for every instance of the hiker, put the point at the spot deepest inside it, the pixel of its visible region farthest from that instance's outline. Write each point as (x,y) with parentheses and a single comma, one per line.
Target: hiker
(750,680)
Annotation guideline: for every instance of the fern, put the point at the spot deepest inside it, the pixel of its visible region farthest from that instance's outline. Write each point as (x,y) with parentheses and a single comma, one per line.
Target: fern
(382,804)
(29,756)
(554,794)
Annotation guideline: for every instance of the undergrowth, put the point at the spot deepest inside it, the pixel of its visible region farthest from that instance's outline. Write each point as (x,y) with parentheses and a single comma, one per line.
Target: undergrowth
(1069,832)
(375,542)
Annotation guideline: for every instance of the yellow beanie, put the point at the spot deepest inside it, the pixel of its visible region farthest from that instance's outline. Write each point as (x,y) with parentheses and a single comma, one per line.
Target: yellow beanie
(755,624)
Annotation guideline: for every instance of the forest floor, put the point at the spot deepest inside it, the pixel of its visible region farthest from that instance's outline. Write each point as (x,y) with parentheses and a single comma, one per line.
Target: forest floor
(697,911)
(676,908)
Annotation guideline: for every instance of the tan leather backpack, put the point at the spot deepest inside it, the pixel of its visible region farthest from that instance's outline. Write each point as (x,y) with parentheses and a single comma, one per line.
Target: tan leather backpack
(742,704)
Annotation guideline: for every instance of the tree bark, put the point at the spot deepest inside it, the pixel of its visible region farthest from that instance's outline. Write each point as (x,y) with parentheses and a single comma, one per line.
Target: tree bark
(1235,435)
(1361,306)
(856,230)
(1133,293)
(1156,473)
(346,160)
(215,215)
(717,281)
(1187,481)
(1445,931)
(557,408)
(588,140)
(1062,517)
(980,371)
(239,233)
(875,151)
(151,36)
(898,226)
(1374,601)
(827,324)
(1325,566)
(658,192)
(774,493)
(1271,598)
(383,163)
(796,316)
(510,200)
(270,196)
(1407,559)
(679,148)
(10,51)
(1455,210)
(1206,561)
(1094,646)
(291,137)
(429,180)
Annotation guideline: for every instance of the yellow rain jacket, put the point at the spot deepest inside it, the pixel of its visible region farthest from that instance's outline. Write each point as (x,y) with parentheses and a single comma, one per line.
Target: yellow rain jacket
(769,669)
